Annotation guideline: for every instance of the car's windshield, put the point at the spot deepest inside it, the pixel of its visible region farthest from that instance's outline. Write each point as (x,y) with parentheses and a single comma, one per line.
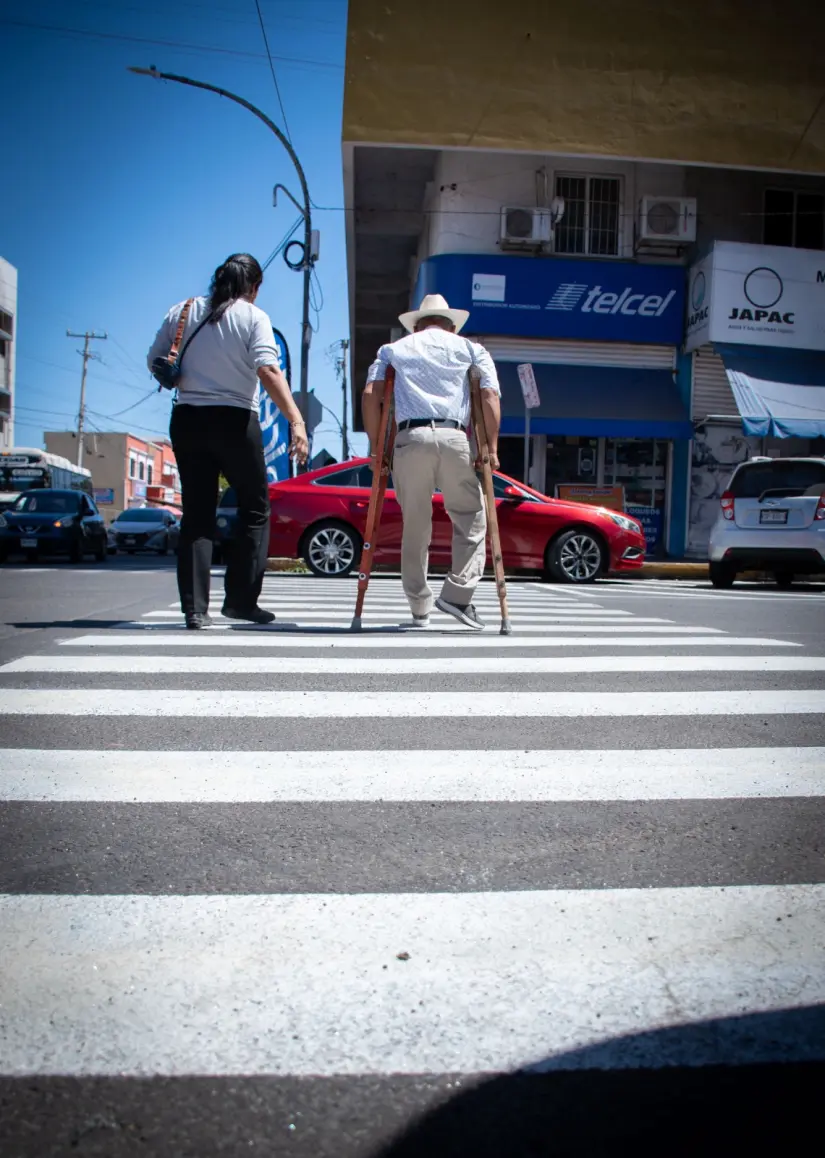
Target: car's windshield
(48,503)
(797,476)
(142,515)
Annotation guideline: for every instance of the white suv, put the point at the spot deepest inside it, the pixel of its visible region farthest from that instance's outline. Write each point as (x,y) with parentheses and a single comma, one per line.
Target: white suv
(772,518)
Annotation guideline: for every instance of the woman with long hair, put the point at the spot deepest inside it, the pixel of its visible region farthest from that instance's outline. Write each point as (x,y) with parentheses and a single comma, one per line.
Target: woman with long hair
(216,430)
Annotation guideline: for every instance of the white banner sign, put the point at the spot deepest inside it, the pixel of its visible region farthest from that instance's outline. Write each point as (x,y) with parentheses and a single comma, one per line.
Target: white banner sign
(528,386)
(761,295)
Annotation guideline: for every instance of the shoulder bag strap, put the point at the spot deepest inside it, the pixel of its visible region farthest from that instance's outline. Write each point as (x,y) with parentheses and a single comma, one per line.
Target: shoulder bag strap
(194,333)
(181,326)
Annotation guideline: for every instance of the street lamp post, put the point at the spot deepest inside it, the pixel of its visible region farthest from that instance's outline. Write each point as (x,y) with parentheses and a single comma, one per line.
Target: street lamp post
(306,329)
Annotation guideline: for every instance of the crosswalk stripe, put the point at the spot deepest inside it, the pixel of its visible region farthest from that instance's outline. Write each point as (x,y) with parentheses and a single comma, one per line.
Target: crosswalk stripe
(459,665)
(398,705)
(543,775)
(312,984)
(400,614)
(144,635)
(458,630)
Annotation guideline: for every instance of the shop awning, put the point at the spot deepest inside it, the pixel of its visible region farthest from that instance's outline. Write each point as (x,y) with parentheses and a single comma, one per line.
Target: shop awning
(779,393)
(596,401)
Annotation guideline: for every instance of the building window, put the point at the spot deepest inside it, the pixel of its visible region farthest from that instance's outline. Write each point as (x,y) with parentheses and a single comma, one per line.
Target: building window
(149,473)
(140,470)
(794,218)
(132,467)
(591,215)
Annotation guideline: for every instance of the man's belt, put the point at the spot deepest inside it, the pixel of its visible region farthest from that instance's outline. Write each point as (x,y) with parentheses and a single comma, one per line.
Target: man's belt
(410,422)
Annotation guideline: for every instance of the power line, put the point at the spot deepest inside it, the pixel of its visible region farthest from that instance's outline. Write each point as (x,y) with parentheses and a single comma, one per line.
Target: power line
(272,70)
(182,44)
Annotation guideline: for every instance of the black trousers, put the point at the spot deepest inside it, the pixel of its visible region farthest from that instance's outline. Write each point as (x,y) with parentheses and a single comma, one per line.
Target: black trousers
(209,441)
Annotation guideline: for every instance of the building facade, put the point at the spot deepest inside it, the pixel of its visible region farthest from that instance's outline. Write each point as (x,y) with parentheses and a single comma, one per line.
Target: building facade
(572,250)
(8,343)
(127,471)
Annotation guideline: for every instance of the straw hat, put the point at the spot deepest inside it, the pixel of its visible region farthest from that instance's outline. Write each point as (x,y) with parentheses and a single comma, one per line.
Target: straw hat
(433,306)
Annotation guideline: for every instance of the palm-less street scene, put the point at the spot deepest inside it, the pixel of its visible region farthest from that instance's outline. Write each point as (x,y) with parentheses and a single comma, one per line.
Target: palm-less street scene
(412,527)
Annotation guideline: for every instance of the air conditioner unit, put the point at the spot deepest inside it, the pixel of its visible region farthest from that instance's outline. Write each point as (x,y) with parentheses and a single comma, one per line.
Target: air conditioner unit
(525,227)
(667,220)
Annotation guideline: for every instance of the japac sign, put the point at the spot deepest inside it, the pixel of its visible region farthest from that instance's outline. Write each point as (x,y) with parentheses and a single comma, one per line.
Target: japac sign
(609,301)
(760,295)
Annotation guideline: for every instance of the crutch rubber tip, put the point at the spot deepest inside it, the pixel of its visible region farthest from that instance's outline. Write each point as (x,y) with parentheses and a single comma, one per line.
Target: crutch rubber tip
(356,623)
(506,629)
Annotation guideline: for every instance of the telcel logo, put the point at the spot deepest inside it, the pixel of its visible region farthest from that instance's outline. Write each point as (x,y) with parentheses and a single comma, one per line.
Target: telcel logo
(568,295)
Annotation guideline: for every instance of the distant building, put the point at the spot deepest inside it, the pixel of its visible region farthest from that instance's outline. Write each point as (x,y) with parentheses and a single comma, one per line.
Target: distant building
(127,471)
(8,321)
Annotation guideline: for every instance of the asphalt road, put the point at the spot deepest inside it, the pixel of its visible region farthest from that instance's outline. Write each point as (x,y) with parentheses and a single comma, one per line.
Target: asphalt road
(298,891)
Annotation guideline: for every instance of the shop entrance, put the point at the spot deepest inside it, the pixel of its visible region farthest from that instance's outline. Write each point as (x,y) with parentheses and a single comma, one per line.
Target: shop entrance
(640,465)
(570,459)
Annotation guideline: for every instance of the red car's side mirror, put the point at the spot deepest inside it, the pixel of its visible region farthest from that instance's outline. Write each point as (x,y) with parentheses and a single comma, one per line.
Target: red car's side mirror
(512,493)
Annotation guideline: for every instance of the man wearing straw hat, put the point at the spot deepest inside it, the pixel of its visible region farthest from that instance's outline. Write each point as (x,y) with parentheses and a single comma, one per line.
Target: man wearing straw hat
(432,451)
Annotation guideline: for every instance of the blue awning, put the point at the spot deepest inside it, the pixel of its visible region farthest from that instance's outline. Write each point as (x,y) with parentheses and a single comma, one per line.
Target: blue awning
(596,401)
(779,393)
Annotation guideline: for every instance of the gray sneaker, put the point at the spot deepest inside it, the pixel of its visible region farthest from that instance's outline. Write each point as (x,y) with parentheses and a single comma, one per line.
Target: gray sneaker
(464,613)
(417,623)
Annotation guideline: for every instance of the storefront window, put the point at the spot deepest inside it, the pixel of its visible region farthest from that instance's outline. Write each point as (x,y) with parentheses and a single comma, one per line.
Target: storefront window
(640,466)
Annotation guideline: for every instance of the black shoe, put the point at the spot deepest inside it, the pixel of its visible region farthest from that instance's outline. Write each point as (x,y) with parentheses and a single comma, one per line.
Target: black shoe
(194,621)
(464,613)
(251,614)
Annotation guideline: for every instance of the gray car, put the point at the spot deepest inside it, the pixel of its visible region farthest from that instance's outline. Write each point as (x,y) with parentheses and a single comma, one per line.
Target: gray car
(144,529)
(771,518)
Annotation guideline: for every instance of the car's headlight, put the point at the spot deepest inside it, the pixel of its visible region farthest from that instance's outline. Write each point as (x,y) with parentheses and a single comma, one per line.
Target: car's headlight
(623,521)
(222,522)
(67,522)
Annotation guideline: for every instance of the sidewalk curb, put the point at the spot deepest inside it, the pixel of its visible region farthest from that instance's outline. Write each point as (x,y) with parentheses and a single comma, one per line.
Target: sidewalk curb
(670,571)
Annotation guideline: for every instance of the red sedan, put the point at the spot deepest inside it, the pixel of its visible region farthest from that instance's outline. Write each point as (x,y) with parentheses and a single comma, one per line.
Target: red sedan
(320,517)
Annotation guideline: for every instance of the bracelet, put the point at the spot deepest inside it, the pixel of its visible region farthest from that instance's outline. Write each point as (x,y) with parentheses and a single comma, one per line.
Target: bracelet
(299,422)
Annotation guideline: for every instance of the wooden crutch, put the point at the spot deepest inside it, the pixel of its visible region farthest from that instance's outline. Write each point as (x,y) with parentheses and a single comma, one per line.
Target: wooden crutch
(380,478)
(480,431)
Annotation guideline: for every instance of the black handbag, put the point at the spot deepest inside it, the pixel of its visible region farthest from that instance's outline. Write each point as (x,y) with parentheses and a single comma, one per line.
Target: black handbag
(167,371)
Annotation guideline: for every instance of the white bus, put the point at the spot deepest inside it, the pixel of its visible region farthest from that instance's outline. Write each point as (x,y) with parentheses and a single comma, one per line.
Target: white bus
(27,468)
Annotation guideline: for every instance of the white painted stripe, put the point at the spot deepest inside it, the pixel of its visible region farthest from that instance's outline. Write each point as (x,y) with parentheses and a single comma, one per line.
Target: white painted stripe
(343,615)
(327,609)
(311,984)
(283,626)
(433,665)
(385,640)
(398,705)
(245,777)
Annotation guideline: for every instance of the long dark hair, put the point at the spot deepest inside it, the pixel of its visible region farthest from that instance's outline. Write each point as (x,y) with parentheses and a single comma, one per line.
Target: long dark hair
(239,275)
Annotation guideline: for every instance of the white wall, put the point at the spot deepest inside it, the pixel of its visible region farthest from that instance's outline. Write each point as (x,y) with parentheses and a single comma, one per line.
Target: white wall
(470,189)
(8,303)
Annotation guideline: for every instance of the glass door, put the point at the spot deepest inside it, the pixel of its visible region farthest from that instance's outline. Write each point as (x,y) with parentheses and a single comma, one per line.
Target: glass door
(640,466)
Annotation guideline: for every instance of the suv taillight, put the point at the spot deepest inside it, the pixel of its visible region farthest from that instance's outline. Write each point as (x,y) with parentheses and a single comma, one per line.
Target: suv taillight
(727,505)
(820,507)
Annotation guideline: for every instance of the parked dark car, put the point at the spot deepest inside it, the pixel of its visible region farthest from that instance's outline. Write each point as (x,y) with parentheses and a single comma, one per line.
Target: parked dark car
(145,529)
(226,519)
(53,522)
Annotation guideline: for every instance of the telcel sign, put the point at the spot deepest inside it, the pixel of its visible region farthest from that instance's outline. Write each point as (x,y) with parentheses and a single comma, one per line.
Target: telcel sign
(557,298)
(759,295)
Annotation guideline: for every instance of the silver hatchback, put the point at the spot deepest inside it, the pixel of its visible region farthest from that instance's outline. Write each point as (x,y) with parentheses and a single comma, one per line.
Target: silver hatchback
(771,518)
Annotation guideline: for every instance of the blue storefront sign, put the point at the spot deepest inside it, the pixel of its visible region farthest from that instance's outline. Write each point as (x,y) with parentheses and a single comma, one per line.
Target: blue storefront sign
(609,301)
(274,426)
(651,520)
(104,495)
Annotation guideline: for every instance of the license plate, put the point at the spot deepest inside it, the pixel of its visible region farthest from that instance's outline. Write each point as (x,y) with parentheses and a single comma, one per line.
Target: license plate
(25,543)
(773,516)
(129,542)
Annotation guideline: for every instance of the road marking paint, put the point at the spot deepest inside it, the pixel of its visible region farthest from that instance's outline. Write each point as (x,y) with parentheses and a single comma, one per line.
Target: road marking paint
(312,984)
(34,774)
(387,640)
(400,705)
(458,665)
(320,625)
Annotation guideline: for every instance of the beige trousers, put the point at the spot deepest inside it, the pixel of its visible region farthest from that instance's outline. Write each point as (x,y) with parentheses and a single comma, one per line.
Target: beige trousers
(429,458)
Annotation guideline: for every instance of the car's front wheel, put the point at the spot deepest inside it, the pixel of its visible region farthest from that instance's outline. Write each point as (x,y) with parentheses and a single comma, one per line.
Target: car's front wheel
(722,574)
(76,552)
(783,579)
(332,550)
(577,556)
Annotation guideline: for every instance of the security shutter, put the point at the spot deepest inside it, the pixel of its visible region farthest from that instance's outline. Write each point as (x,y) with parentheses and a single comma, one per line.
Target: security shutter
(580,353)
(712,393)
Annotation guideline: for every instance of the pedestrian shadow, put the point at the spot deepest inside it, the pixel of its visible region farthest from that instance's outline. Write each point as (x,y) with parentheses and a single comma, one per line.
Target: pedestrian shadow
(282,628)
(716,1089)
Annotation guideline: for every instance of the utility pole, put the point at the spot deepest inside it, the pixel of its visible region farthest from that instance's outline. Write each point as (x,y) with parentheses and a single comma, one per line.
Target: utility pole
(343,365)
(86,353)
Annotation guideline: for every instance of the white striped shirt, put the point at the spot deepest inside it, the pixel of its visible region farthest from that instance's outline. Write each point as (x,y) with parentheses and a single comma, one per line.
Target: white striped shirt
(431,374)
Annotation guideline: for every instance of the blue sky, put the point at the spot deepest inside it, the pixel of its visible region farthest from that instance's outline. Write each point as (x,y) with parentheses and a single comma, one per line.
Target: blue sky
(122,193)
